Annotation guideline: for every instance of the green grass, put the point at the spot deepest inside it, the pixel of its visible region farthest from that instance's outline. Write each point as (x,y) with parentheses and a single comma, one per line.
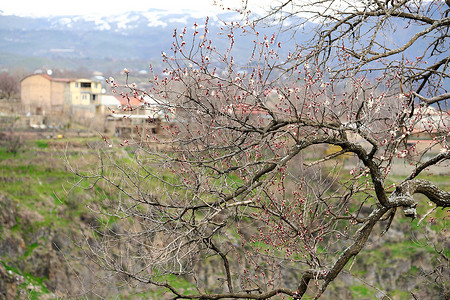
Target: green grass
(363,292)
(37,184)
(397,294)
(28,280)
(30,249)
(42,144)
(405,249)
(178,282)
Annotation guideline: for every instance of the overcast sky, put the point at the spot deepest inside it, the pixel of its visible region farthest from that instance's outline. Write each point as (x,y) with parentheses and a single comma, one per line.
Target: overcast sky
(105,7)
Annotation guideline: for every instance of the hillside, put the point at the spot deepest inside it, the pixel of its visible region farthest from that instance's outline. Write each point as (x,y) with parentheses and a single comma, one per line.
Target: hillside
(95,43)
(133,39)
(47,222)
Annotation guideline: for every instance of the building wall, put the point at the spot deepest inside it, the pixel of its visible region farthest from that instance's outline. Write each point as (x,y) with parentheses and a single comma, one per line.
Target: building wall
(35,90)
(75,94)
(85,92)
(39,91)
(58,94)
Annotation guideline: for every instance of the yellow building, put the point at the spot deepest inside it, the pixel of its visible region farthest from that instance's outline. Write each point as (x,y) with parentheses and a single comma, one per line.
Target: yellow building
(85,92)
(40,93)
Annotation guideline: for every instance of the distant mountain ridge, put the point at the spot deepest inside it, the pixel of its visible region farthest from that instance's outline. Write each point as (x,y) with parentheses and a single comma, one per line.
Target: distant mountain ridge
(109,43)
(133,36)
(122,22)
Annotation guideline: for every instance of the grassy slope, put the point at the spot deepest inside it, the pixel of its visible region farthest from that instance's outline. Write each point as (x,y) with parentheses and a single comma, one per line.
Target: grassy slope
(49,214)
(38,183)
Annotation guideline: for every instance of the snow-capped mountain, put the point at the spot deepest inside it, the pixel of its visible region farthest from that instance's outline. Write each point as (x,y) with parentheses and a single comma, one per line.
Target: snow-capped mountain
(128,21)
(108,43)
(138,36)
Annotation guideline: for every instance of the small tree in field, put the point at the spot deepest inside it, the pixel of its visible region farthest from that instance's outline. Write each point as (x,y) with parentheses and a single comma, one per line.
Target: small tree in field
(276,171)
(9,86)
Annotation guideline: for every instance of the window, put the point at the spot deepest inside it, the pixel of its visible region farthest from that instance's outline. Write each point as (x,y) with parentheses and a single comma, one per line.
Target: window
(85,84)
(94,97)
(76,84)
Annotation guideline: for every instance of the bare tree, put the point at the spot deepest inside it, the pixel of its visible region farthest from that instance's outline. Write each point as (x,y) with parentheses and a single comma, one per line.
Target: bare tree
(276,170)
(9,86)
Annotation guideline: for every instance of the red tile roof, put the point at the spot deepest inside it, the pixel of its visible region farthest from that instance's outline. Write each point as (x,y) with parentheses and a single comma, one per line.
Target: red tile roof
(124,101)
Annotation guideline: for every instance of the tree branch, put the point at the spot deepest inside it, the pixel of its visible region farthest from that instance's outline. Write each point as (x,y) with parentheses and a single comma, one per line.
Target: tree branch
(433,100)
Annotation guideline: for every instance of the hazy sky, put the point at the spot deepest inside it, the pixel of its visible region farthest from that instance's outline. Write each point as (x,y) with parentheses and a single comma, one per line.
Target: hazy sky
(104,7)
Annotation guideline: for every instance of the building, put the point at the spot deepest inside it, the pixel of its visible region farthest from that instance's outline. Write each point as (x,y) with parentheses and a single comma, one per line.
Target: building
(109,103)
(85,92)
(128,116)
(41,93)
(45,98)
